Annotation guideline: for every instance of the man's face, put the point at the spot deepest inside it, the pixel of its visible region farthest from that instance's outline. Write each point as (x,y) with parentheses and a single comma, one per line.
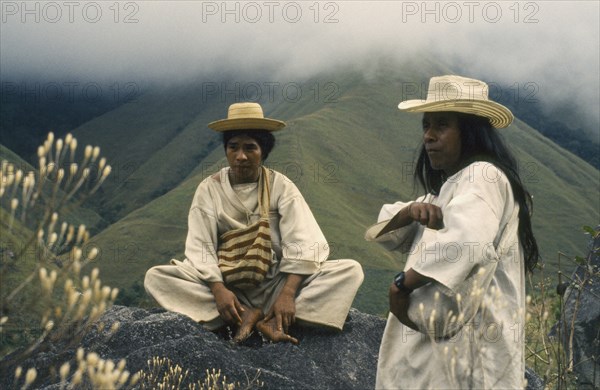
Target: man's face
(244,157)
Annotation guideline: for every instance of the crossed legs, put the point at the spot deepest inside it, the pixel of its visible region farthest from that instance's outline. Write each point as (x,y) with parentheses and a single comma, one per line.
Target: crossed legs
(324,298)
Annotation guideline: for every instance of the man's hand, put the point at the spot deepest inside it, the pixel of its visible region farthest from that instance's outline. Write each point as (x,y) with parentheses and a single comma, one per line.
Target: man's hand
(399,302)
(284,310)
(426,214)
(227,304)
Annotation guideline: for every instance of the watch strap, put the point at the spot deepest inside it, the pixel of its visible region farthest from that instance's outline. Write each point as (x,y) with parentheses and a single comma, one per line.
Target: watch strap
(399,282)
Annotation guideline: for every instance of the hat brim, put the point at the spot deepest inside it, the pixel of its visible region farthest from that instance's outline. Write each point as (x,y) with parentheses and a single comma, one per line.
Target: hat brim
(499,116)
(247,124)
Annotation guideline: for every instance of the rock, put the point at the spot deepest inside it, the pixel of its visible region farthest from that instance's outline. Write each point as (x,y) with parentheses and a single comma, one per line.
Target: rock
(534,382)
(582,303)
(324,359)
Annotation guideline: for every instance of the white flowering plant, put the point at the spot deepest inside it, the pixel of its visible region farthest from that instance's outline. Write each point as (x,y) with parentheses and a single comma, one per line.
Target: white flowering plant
(46,301)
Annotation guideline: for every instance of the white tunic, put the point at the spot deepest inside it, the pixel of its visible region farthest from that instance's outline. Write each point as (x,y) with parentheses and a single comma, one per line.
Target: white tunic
(217,208)
(471,318)
(325,295)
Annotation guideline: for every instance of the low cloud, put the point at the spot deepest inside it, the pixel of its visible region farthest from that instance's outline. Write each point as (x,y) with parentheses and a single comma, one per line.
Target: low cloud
(553,46)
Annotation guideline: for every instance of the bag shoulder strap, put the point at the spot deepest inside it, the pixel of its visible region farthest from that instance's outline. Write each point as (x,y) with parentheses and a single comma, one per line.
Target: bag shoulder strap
(264,192)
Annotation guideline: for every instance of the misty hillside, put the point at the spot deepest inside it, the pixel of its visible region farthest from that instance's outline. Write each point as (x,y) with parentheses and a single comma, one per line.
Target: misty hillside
(348,149)
(152,143)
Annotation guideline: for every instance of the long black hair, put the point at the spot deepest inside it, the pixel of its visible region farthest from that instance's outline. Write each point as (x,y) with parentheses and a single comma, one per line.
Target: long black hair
(264,138)
(480,141)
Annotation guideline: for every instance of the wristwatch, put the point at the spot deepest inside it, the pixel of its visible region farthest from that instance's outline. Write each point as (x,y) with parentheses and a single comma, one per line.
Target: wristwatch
(399,282)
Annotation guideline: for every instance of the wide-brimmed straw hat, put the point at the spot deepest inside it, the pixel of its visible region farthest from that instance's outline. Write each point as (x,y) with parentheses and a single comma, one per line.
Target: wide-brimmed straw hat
(460,94)
(246,116)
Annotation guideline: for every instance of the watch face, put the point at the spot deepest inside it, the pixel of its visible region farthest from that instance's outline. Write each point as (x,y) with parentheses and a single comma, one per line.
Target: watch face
(399,282)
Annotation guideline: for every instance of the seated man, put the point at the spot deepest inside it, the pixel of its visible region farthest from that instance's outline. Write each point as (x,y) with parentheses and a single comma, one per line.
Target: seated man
(294,284)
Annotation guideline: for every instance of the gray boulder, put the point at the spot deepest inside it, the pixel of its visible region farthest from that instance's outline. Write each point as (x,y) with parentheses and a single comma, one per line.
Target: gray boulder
(582,309)
(324,359)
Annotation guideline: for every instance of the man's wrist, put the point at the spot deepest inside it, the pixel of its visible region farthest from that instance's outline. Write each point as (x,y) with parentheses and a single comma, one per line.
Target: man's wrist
(399,280)
(292,284)
(216,286)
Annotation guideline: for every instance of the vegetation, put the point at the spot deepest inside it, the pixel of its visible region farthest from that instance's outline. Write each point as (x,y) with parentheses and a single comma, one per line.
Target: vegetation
(162,373)
(550,328)
(41,253)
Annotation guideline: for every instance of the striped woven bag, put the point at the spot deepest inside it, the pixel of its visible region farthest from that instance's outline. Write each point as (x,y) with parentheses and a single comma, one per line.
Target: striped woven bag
(245,254)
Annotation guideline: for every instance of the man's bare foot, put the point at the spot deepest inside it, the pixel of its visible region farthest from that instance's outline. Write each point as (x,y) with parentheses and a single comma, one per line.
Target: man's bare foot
(270,331)
(249,318)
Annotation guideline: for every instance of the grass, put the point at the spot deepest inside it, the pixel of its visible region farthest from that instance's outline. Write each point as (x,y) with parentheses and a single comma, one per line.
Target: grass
(554,320)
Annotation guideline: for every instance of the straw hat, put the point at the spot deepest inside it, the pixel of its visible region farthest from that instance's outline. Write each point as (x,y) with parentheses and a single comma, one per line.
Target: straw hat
(246,116)
(460,94)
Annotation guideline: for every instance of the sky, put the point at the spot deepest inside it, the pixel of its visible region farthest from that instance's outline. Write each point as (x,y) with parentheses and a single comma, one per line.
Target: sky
(546,49)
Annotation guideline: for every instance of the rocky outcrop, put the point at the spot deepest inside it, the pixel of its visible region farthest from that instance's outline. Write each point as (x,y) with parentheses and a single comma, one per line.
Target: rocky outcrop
(580,324)
(323,359)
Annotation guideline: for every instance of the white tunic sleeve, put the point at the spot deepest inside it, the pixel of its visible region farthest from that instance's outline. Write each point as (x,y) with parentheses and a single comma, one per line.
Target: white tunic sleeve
(399,239)
(202,238)
(303,244)
(471,227)
(462,257)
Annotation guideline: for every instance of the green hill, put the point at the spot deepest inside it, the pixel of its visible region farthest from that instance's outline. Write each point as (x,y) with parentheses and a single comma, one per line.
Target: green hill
(349,151)
(347,148)
(71,214)
(152,143)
